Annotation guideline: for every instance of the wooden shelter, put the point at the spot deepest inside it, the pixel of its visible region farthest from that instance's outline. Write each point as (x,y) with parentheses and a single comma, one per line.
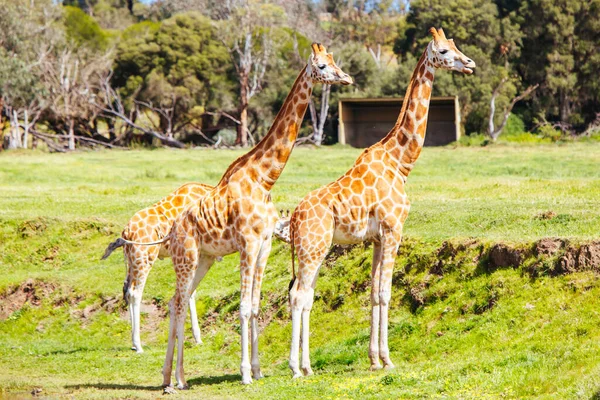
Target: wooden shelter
(363,122)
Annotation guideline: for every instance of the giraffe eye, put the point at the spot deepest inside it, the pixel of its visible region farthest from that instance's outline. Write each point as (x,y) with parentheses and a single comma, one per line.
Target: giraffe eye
(322,66)
(443,51)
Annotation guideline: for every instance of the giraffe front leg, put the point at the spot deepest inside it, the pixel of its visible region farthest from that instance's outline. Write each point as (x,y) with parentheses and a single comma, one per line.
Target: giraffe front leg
(375,308)
(248,258)
(186,287)
(168,365)
(390,250)
(194,317)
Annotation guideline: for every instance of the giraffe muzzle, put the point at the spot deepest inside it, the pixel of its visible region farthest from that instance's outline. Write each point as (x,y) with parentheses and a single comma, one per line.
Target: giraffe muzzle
(346,80)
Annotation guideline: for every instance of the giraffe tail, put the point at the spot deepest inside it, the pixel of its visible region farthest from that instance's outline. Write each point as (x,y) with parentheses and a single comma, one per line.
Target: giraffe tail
(293,262)
(112,247)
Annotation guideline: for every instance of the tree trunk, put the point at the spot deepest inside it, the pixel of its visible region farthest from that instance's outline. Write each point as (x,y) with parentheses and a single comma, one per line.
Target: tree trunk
(318,122)
(13,139)
(71,135)
(242,128)
(26,134)
(565,110)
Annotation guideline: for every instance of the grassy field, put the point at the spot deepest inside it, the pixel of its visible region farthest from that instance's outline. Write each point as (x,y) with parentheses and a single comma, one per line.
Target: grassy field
(458,328)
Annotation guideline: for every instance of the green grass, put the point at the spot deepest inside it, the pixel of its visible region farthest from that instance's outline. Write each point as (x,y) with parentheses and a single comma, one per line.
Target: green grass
(474,333)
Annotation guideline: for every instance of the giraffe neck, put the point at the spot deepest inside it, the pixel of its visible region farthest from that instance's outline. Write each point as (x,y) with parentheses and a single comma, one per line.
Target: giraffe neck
(268,158)
(405,141)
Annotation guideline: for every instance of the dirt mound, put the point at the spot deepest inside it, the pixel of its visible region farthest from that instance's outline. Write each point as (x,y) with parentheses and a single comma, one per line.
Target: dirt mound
(548,246)
(501,255)
(584,257)
(30,291)
(108,304)
(32,227)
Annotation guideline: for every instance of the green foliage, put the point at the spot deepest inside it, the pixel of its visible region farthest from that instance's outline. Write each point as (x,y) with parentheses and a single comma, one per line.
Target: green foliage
(560,49)
(179,60)
(83,30)
(514,126)
(549,132)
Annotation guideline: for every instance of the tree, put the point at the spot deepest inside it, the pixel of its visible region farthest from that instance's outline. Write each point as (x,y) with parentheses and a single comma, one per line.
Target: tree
(108,101)
(560,48)
(28,34)
(67,77)
(247,30)
(495,131)
(177,67)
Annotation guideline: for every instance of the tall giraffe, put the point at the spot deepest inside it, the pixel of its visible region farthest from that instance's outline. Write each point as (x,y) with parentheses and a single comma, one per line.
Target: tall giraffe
(151,224)
(236,216)
(367,203)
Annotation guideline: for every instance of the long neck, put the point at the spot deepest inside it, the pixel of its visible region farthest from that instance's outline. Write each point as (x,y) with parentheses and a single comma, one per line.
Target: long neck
(268,158)
(405,140)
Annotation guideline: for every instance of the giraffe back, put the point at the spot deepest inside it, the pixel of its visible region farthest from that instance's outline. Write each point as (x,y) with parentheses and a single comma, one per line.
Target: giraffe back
(154,222)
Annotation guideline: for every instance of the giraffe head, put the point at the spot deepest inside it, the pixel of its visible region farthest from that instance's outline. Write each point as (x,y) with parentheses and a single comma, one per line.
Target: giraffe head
(444,54)
(323,68)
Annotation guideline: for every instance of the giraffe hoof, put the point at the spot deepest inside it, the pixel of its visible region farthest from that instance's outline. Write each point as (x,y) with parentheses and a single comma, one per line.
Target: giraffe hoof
(181,386)
(389,366)
(138,350)
(297,375)
(307,371)
(169,390)
(375,367)
(256,375)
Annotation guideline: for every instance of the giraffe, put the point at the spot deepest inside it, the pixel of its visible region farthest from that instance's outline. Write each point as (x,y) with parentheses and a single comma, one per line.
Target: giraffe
(368,203)
(152,223)
(236,216)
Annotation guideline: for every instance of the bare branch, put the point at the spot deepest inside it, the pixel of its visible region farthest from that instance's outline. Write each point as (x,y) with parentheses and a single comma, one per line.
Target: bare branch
(113,106)
(495,132)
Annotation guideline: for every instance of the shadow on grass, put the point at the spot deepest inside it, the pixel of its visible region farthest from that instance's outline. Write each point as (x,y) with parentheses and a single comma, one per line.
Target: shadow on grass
(200,381)
(214,380)
(112,386)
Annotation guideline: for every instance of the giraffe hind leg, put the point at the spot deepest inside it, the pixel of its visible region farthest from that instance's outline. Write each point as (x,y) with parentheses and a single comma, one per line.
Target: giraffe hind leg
(139,265)
(256,286)
(194,317)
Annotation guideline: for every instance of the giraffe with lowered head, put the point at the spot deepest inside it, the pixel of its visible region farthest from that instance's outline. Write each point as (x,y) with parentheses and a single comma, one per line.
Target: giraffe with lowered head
(236,216)
(154,223)
(150,224)
(368,203)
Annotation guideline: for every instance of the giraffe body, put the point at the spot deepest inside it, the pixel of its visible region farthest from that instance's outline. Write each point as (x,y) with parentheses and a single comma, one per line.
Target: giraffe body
(238,216)
(152,224)
(368,203)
